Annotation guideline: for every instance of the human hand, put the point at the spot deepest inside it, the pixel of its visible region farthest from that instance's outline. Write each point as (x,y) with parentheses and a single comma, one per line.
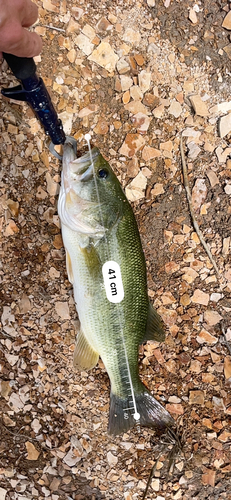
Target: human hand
(15,16)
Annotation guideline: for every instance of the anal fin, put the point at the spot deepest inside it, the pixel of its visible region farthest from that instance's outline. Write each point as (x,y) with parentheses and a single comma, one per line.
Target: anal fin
(154,328)
(85,357)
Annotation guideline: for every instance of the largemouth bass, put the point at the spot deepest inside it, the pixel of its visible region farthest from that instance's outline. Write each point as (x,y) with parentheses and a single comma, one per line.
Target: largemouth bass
(106,265)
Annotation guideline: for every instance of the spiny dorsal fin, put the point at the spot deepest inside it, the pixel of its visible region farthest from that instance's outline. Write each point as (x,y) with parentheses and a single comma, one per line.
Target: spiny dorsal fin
(85,357)
(154,328)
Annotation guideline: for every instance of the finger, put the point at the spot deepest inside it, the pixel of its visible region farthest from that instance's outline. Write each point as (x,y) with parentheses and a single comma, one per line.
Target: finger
(22,43)
(28,12)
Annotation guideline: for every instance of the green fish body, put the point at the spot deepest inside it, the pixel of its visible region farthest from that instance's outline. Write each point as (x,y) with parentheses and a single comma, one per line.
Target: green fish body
(106,265)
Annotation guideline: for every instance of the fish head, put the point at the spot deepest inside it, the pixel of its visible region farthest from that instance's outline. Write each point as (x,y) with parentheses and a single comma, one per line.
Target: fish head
(91,198)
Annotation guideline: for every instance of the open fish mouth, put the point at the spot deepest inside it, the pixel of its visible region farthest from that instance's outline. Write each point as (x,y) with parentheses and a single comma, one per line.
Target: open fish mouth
(82,169)
(75,210)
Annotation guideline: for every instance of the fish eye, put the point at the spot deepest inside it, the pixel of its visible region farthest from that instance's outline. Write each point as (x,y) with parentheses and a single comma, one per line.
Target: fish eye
(103,173)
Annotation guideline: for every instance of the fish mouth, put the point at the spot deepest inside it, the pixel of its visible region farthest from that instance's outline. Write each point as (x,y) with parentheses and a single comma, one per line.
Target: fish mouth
(75,210)
(82,169)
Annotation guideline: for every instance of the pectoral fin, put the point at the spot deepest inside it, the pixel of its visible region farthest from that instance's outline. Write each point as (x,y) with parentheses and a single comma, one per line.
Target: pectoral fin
(85,357)
(69,268)
(154,328)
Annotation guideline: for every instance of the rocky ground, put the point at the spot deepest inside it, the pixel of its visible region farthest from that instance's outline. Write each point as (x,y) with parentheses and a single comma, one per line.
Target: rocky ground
(137,76)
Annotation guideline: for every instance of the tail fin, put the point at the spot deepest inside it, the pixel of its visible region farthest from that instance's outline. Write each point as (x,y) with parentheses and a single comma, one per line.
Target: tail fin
(151,413)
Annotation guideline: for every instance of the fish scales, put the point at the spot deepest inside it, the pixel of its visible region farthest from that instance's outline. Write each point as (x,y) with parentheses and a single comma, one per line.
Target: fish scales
(98,226)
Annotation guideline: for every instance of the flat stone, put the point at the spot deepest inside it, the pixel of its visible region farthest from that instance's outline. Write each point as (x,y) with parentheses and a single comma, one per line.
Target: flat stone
(196,397)
(205,337)
(73,26)
(32,452)
(131,144)
(199,106)
(105,56)
(191,133)
(89,32)
(52,186)
(175,109)
(212,317)
(101,127)
(215,297)
(48,5)
(222,107)
(226,245)
(222,154)
(213,179)
(185,300)
(62,310)
(153,48)
(13,206)
(199,193)
(132,36)
(227,21)
(225,436)
(224,125)
(144,79)
(53,273)
(133,167)
(159,111)
(141,122)
(136,189)
(175,408)
(136,93)
(155,484)
(190,275)
(200,297)
(227,189)
(126,82)
(126,97)
(139,59)
(227,367)
(194,150)
(149,153)
(208,478)
(84,44)
(151,100)
(218,403)
(104,25)
(71,459)
(88,110)
(136,107)
(36,426)
(157,189)
(112,459)
(3,493)
(171,266)
(192,16)
(228,274)
(67,119)
(195,366)
(122,66)
(5,387)
(24,304)
(71,55)
(166,146)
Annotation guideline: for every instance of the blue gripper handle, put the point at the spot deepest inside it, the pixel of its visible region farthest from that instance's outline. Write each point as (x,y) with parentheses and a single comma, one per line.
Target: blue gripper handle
(34,92)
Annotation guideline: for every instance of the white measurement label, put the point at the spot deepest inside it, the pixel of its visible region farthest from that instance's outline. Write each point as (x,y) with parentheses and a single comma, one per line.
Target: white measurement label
(113,281)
